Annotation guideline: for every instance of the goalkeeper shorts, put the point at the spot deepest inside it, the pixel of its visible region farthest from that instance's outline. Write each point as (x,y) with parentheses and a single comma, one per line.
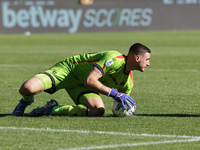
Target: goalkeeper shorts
(53,82)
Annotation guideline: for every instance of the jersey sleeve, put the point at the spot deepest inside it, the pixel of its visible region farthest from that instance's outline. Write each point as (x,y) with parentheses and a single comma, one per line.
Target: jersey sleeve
(108,62)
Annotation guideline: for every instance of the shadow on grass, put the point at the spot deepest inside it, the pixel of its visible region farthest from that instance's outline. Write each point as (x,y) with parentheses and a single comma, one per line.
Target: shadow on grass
(4,115)
(111,115)
(168,115)
(27,115)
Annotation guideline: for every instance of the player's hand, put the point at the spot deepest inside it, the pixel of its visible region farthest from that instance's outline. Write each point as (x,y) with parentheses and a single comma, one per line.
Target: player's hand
(122,98)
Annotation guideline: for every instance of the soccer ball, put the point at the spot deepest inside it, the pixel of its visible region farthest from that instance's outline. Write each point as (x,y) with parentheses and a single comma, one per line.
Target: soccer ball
(117,109)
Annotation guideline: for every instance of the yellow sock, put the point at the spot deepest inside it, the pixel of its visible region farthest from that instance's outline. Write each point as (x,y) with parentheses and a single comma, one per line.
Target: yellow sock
(25,97)
(70,110)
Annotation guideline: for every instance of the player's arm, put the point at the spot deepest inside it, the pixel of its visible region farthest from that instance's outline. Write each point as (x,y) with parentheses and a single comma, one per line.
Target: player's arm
(92,82)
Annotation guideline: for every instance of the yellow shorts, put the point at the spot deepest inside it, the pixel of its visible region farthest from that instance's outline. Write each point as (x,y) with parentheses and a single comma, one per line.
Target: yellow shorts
(78,93)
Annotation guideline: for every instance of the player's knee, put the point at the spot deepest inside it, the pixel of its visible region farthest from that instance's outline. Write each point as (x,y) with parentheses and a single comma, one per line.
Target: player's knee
(31,87)
(26,89)
(97,112)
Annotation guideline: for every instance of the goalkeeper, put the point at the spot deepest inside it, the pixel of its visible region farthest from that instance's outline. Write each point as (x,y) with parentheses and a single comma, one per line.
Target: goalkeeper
(84,77)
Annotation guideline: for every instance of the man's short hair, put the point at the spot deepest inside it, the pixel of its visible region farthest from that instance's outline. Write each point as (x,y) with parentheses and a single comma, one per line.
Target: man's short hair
(139,48)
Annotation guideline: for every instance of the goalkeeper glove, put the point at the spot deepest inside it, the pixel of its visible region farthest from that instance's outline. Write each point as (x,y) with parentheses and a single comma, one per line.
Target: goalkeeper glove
(122,98)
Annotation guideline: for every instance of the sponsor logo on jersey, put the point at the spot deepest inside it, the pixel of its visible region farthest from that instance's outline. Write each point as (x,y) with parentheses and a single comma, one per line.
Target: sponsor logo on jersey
(110,62)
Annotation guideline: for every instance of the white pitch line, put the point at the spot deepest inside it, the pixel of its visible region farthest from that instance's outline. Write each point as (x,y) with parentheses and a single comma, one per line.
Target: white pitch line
(132,144)
(39,65)
(100,132)
(12,65)
(186,138)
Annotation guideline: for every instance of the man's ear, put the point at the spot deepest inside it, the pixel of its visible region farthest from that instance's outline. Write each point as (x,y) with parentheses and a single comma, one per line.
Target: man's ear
(137,58)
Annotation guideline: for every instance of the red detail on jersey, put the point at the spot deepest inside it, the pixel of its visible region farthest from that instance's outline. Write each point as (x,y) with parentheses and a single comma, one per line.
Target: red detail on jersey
(131,76)
(86,61)
(131,79)
(121,56)
(104,67)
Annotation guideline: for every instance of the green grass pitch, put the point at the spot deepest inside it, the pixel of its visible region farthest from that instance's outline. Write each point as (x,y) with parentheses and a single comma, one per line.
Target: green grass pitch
(167,94)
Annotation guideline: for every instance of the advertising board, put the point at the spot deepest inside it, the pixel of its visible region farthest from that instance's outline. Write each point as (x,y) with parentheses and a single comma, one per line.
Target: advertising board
(38,16)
